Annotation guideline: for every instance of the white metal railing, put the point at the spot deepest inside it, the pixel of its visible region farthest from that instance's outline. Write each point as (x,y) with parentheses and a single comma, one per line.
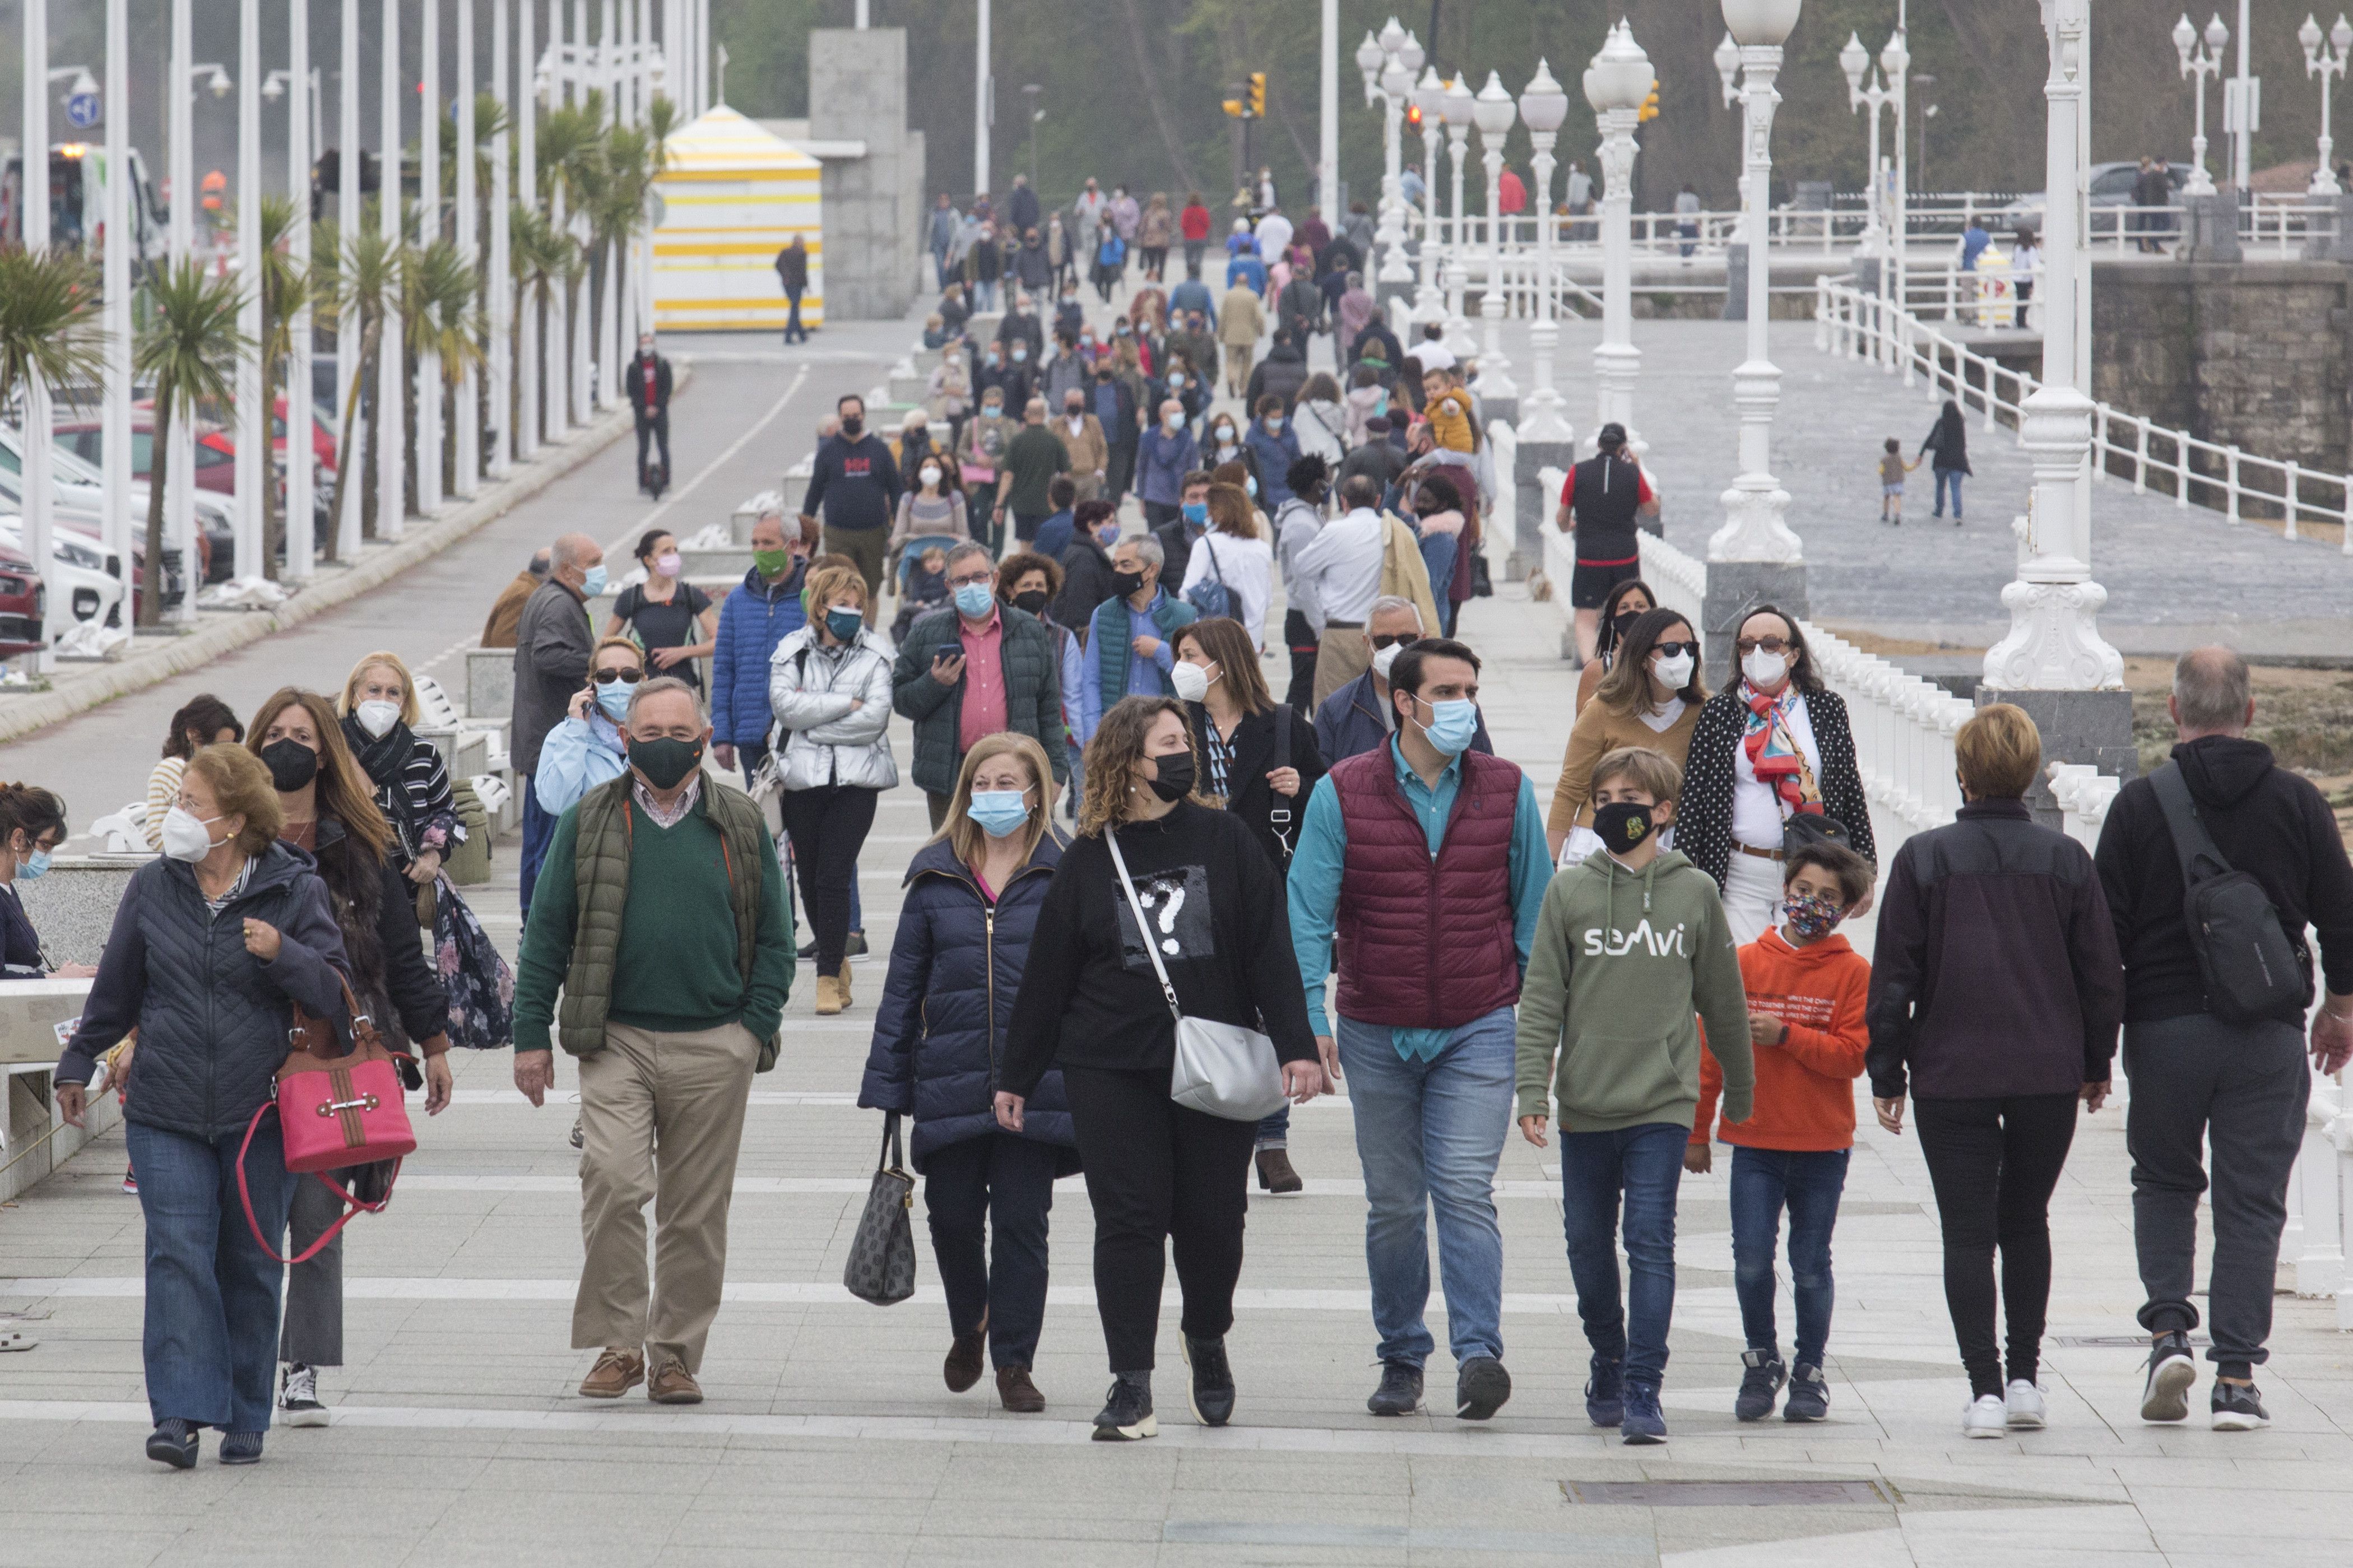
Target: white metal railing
(2219,475)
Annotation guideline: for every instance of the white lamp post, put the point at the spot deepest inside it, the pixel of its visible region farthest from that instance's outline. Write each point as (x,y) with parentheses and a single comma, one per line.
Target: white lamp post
(1388,63)
(502,293)
(429,391)
(348,159)
(1457,107)
(2054,643)
(1430,97)
(301,545)
(1616,83)
(531,371)
(2196,64)
(114,452)
(391,415)
(1753,507)
(1883,92)
(35,429)
(1543,105)
(467,420)
(1494,111)
(253,475)
(2324,64)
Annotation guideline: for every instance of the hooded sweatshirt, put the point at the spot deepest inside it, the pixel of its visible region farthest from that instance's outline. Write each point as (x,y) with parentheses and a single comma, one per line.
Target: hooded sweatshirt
(1805,1085)
(1622,962)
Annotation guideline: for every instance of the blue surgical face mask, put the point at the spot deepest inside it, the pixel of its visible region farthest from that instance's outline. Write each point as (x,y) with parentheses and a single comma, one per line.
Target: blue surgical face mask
(593,583)
(614,699)
(998,811)
(845,625)
(1452,725)
(1108,534)
(32,866)
(1249,483)
(974,600)
(1197,511)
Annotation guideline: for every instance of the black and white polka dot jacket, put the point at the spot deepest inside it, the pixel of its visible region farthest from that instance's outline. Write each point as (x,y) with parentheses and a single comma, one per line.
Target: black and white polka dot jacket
(1703,814)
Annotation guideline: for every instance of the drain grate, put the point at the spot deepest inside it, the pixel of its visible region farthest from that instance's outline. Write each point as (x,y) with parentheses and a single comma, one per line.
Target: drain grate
(1729,1494)
(2114,1342)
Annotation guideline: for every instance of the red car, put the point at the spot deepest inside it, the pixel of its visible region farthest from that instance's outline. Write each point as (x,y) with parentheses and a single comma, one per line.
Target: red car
(23,597)
(215,446)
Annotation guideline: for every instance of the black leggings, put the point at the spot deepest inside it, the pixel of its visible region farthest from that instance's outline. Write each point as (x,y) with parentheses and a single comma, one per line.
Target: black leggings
(1158,1172)
(1994,1163)
(828,827)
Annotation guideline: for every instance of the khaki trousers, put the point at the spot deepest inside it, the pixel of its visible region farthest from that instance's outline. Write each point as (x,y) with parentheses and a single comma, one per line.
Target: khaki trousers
(1340,658)
(1238,368)
(662,1118)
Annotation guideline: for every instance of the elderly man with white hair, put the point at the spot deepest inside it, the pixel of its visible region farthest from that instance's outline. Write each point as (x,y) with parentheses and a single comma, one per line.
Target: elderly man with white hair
(674,985)
(1127,636)
(553,638)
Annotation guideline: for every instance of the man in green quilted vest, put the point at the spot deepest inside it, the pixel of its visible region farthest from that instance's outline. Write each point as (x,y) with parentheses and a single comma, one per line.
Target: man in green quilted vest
(663,917)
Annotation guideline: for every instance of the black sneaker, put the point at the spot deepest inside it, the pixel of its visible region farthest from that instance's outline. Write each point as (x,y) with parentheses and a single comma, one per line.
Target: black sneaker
(1605,1392)
(1643,1423)
(2238,1408)
(1810,1394)
(1400,1390)
(174,1443)
(1126,1414)
(241,1448)
(298,1397)
(854,947)
(2172,1372)
(1481,1387)
(1760,1383)
(1212,1390)
(809,948)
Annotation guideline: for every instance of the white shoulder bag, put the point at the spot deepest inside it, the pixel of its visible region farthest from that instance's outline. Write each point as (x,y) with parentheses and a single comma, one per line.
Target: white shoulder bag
(1223,1069)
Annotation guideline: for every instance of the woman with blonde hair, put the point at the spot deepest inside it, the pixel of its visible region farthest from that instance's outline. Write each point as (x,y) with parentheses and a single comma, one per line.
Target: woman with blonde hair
(1092,1005)
(326,810)
(1651,697)
(212,947)
(411,782)
(590,747)
(973,894)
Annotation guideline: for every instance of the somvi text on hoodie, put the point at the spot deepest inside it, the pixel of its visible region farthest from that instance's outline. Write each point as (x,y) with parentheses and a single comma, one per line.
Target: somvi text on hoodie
(1626,968)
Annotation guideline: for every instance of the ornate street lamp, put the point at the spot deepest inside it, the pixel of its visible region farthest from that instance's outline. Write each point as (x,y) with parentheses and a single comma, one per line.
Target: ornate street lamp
(1887,91)
(1382,60)
(1616,83)
(1754,529)
(1458,107)
(1542,107)
(1494,112)
(2196,64)
(1430,97)
(2324,64)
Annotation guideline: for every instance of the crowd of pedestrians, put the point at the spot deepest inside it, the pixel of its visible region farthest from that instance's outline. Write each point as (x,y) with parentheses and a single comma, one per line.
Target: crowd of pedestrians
(1162,904)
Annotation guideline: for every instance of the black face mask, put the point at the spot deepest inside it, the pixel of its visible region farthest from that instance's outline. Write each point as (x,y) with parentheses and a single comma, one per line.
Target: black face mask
(1032,602)
(1621,825)
(291,764)
(1624,622)
(1175,780)
(1126,583)
(853,428)
(666,762)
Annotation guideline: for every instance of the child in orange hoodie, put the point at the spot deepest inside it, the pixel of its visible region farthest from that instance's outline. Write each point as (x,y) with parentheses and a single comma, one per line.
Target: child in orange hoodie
(1806,991)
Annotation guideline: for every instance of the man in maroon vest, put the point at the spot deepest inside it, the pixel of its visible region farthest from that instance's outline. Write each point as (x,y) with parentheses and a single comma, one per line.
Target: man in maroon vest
(1423,863)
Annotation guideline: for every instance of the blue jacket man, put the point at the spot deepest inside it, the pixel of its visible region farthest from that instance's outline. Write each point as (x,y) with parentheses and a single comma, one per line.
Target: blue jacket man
(1193,294)
(762,610)
(1163,458)
(1272,454)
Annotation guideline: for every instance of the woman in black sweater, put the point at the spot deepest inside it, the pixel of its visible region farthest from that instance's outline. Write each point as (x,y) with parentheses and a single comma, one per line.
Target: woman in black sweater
(1262,766)
(1091,1005)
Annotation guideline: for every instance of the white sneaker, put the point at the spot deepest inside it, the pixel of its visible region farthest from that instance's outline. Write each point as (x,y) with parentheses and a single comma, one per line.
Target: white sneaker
(1986,1417)
(2028,1410)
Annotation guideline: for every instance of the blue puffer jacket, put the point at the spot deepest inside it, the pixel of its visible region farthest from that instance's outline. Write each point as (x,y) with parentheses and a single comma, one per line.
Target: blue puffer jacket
(941,1026)
(212,1018)
(755,618)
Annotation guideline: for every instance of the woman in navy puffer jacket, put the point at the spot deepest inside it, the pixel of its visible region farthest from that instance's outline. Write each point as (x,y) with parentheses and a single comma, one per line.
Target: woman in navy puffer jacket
(972,900)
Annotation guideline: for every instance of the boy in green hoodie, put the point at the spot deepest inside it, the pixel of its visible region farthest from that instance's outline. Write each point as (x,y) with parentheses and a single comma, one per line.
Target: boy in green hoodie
(1631,945)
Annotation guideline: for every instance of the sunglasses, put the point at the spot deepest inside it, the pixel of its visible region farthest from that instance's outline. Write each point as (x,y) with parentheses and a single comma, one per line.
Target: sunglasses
(1747,646)
(626,676)
(1388,639)
(1672,648)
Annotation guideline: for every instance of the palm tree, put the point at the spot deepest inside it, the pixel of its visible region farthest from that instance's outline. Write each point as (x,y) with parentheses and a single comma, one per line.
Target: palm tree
(440,315)
(540,254)
(189,348)
(365,279)
(48,320)
(281,291)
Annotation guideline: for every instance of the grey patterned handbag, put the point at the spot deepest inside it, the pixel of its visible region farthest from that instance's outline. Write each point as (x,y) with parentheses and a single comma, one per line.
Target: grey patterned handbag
(881,1267)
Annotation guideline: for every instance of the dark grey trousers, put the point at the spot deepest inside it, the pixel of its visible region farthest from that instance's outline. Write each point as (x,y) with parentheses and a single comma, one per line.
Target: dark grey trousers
(313,1326)
(2242,1088)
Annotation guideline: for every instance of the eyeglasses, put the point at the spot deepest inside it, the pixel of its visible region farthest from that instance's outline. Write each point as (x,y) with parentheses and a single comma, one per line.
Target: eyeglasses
(1389,639)
(970,578)
(626,676)
(1672,648)
(1747,646)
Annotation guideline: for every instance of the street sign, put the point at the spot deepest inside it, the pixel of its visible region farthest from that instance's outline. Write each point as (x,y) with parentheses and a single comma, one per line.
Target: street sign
(82,110)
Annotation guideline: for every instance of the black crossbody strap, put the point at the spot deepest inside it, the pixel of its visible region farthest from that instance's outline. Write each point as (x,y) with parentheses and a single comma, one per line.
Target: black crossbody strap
(2191,842)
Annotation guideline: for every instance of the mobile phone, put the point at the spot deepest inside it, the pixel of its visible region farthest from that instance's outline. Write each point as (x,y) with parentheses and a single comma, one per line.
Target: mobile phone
(948,650)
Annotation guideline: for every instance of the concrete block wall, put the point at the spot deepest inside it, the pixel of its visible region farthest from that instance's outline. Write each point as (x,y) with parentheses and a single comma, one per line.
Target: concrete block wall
(873,205)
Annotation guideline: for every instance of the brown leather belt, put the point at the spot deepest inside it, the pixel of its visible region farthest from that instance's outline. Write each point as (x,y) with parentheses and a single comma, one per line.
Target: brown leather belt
(1760,854)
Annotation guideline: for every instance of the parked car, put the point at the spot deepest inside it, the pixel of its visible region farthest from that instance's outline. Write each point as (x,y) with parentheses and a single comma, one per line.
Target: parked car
(85,575)
(22,597)
(216,534)
(81,488)
(2109,185)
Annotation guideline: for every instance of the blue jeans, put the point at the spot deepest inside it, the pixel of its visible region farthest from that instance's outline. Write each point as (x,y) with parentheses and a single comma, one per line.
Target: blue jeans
(538,832)
(210,1344)
(1948,478)
(1808,1183)
(1644,1163)
(1428,1134)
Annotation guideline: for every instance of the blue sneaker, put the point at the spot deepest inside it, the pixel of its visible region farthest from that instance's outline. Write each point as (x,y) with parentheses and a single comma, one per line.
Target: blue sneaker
(1642,1423)
(1605,1400)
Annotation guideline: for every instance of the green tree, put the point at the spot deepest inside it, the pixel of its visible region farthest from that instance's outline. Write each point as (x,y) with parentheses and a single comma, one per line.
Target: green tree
(188,349)
(48,320)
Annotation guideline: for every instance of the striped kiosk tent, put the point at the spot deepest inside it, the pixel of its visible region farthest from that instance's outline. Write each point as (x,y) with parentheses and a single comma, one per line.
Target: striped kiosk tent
(732,197)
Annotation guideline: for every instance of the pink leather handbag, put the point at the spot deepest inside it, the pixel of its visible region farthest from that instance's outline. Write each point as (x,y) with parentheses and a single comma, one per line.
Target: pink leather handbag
(334,1111)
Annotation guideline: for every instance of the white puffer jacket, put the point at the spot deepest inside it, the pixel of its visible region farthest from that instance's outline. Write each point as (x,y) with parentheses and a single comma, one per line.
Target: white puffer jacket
(819,739)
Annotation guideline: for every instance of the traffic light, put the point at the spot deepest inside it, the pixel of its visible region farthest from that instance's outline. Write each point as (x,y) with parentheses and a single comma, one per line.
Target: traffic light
(1413,117)
(1258,94)
(1650,109)
(1234,107)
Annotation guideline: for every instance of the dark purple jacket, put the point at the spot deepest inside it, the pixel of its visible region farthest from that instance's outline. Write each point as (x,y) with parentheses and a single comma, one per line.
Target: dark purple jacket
(1425,943)
(1995,971)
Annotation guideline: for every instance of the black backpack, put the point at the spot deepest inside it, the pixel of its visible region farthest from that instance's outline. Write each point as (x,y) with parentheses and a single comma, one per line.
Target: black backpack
(2251,970)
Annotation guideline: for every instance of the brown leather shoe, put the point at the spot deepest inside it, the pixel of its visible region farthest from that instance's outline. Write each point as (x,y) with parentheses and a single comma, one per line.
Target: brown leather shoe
(672,1383)
(1274,1172)
(831,998)
(1017,1393)
(616,1371)
(963,1366)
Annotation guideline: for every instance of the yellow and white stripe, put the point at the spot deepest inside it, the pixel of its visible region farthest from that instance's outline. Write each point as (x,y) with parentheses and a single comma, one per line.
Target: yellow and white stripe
(732,197)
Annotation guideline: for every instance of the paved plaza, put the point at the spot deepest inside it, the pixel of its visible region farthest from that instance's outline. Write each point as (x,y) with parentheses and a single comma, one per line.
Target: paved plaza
(828,1437)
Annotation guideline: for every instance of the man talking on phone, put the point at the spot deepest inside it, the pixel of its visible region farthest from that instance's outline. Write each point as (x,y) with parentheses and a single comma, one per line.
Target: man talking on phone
(975,668)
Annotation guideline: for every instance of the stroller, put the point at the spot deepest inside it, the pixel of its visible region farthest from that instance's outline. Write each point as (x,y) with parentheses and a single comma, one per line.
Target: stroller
(922,581)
